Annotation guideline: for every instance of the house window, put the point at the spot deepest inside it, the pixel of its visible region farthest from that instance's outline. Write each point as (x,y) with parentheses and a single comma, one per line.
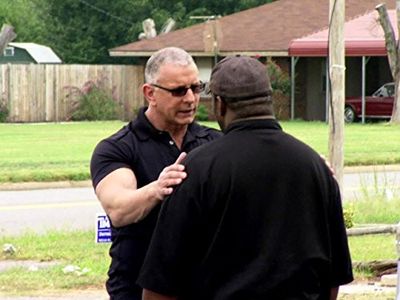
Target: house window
(9,51)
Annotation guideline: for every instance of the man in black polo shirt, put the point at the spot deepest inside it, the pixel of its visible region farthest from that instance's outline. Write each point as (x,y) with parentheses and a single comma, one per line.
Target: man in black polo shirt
(259,215)
(134,169)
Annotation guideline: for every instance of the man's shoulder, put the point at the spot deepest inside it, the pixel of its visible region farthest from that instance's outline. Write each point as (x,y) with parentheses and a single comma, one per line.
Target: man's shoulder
(118,140)
(207,152)
(202,130)
(117,136)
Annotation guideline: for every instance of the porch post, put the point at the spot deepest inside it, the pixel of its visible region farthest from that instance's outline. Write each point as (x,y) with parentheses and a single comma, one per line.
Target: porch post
(364,63)
(327,90)
(363,91)
(294,61)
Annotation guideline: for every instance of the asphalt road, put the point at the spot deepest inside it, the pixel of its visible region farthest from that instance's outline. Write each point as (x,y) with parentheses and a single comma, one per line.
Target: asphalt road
(42,209)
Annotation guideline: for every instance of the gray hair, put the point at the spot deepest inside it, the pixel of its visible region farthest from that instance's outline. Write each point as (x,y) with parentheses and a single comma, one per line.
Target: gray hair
(169,55)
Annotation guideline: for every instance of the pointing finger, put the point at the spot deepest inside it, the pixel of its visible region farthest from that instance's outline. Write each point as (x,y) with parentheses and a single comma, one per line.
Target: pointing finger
(180,158)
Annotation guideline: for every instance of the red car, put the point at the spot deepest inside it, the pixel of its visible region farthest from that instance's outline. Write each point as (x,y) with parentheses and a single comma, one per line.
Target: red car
(379,105)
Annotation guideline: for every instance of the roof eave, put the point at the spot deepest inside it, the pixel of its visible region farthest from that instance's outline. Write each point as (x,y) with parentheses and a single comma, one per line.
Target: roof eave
(272,53)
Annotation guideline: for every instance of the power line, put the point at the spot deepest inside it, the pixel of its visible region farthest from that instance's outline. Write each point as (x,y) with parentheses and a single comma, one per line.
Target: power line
(106,12)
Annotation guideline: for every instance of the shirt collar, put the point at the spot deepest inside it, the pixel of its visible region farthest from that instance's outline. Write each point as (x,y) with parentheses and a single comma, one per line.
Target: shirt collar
(145,130)
(253,124)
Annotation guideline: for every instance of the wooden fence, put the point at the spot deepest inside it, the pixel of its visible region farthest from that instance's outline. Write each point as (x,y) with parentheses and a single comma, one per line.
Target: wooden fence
(47,93)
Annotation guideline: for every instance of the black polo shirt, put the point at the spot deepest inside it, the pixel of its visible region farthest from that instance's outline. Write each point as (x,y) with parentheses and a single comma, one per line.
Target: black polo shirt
(258,217)
(145,150)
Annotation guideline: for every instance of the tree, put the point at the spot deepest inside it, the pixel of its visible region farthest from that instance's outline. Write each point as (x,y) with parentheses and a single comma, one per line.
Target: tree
(393,51)
(24,17)
(82,31)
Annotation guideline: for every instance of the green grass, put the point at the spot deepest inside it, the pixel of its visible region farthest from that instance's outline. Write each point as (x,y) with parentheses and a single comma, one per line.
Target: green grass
(66,248)
(364,144)
(372,247)
(379,203)
(367,248)
(50,152)
(78,248)
(375,211)
(62,151)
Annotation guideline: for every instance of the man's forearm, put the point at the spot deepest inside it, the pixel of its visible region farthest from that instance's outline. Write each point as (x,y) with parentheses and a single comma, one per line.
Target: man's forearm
(150,295)
(334,293)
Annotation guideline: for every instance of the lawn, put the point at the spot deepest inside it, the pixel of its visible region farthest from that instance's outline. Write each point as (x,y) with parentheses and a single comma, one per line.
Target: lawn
(62,151)
(82,252)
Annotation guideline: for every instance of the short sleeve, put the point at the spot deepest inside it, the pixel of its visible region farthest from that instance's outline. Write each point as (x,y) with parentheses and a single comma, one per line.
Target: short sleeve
(107,157)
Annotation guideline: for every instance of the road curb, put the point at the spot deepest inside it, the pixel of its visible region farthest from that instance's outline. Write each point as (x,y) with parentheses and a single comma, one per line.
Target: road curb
(376,168)
(87,183)
(43,185)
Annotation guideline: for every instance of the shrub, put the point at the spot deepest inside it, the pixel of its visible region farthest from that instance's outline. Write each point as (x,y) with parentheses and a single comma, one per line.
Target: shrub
(4,111)
(93,102)
(348,214)
(280,80)
(202,113)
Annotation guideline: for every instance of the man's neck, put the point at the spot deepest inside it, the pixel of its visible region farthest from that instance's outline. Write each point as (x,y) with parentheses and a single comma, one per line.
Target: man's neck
(177,132)
(252,118)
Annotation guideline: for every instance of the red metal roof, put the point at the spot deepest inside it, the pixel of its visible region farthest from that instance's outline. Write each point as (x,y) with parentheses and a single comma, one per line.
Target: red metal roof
(363,36)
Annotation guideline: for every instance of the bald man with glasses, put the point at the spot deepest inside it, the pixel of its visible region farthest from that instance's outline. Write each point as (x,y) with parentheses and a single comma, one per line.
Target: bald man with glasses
(135,168)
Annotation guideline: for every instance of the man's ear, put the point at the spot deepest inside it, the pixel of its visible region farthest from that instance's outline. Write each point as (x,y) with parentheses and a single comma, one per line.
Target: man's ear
(221,106)
(148,92)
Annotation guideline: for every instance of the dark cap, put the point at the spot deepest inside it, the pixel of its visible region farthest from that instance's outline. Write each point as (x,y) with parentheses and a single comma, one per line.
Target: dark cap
(237,78)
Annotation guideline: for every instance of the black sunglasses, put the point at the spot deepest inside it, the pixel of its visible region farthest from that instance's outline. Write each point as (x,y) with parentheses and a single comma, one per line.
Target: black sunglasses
(181,91)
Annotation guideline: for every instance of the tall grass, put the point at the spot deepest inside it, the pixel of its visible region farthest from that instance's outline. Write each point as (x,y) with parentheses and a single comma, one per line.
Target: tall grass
(379,201)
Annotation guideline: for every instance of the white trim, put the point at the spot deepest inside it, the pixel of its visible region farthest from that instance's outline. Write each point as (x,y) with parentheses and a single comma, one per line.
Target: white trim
(9,51)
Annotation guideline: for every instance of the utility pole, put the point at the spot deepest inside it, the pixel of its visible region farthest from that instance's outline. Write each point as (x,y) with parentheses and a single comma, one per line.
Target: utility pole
(214,20)
(337,80)
(215,45)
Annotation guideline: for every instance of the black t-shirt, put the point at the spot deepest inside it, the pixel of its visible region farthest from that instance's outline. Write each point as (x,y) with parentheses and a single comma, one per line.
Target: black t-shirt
(258,217)
(145,150)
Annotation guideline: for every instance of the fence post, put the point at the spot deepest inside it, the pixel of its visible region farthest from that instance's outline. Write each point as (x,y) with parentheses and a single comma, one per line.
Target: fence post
(398,261)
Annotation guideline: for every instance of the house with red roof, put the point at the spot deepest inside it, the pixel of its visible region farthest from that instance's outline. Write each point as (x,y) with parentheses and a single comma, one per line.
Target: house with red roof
(269,31)
(366,62)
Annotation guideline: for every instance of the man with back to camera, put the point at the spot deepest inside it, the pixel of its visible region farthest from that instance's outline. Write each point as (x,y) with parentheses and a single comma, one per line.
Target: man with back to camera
(134,169)
(259,215)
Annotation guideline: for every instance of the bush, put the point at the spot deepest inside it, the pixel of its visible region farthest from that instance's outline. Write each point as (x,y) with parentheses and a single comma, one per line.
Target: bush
(280,81)
(93,102)
(202,113)
(4,111)
(348,214)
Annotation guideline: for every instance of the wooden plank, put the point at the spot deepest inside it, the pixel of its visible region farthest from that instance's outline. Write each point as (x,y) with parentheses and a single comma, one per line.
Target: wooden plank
(4,86)
(49,93)
(39,93)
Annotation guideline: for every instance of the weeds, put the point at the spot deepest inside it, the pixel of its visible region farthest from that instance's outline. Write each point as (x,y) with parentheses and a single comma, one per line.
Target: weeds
(4,111)
(93,101)
(379,201)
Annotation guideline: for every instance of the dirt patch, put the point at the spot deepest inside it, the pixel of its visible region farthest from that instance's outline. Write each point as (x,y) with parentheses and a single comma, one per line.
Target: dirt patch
(76,295)
(30,265)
